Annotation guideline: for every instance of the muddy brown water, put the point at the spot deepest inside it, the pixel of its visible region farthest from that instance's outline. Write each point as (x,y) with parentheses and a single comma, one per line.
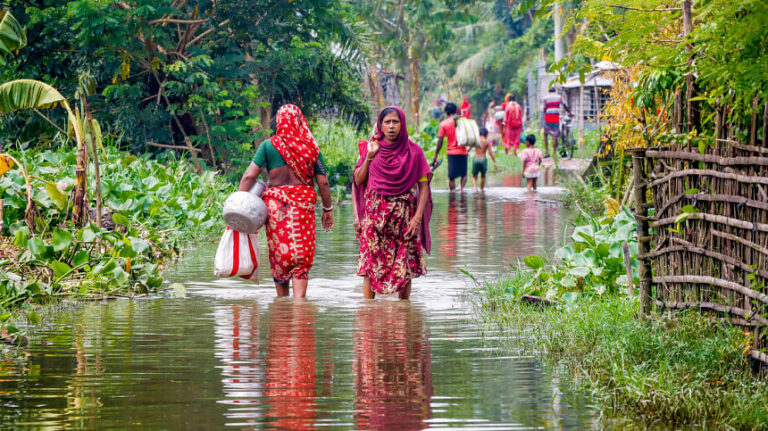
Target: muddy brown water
(229,355)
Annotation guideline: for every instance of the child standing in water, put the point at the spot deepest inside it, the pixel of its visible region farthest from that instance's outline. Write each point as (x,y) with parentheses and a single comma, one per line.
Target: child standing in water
(531,158)
(479,162)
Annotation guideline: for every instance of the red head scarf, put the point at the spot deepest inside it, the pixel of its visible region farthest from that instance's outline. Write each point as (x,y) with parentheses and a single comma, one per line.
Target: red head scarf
(294,141)
(466,108)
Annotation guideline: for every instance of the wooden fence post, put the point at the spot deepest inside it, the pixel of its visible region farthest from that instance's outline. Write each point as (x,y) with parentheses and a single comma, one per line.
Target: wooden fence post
(641,214)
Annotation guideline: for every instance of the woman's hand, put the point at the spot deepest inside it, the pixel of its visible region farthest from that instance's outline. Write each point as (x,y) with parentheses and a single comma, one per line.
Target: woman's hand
(373,149)
(327,221)
(356,225)
(414,226)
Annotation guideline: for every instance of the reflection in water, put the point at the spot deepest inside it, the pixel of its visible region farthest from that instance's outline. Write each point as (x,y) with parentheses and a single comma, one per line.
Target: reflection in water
(291,365)
(393,381)
(232,356)
(237,346)
(547,177)
(480,215)
(456,224)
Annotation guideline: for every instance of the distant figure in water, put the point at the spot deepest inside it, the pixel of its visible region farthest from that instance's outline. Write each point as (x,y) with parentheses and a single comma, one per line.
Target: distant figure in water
(480,162)
(513,124)
(394,205)
(531,158)
(457,155)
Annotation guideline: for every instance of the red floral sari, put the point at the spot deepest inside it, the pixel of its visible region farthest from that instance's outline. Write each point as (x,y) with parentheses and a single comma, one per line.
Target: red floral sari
(386,257)
(291,231)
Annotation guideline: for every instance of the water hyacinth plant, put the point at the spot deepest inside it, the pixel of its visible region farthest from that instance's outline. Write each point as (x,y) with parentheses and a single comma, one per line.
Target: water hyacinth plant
(151,209)
(592,265)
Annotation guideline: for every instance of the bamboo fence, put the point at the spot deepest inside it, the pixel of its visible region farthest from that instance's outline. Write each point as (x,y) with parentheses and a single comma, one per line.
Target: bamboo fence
(703,231)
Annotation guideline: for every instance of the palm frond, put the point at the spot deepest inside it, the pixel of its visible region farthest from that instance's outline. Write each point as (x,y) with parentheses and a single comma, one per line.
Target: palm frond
(474,65)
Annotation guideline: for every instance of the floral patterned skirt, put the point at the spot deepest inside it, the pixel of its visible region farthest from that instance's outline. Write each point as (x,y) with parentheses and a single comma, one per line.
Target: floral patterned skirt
(386,257)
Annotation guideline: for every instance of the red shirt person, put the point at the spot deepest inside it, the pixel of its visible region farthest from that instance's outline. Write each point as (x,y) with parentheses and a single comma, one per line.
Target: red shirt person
(457,155)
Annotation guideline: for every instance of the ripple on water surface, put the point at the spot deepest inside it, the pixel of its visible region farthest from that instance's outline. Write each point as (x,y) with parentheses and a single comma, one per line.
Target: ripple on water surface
(232,355)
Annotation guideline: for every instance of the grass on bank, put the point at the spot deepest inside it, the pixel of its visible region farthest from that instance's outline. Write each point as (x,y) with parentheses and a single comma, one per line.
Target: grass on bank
(674,369)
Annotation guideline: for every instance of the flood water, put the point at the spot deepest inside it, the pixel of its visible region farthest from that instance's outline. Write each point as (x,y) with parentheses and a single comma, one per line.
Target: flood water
(231,355)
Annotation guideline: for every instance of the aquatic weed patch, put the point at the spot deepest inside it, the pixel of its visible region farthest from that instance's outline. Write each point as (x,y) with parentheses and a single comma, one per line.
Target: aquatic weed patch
(151,210)
(678,369)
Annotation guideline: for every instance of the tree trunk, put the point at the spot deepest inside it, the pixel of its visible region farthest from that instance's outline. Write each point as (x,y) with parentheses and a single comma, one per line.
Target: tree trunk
(690,81)
(403,65)
(415,96)
(558,18)
(375,85)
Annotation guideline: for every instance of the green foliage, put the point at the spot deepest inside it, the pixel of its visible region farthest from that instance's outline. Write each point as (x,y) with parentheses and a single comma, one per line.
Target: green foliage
(27,94)
(725,51)
(208,73)
(592,265)
(673,370)
(156,206)
(338,142)
(12,35)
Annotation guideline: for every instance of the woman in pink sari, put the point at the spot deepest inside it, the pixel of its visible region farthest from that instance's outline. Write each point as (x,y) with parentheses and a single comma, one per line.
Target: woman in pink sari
(394,205)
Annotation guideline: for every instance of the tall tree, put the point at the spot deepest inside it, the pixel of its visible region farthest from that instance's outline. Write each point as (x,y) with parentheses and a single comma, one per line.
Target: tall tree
(408,31)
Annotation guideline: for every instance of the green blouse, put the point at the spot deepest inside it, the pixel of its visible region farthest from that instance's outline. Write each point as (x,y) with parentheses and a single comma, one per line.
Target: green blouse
(267,157)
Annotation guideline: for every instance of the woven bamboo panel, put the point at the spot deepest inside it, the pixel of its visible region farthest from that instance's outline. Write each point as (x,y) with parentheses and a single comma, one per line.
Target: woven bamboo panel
(708,231)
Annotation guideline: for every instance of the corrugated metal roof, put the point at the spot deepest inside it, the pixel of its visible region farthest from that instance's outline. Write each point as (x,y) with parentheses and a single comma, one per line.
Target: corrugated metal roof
(591,80)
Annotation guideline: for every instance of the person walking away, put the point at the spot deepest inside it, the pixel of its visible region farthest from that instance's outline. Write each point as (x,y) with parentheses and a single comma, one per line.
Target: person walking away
(457,155)
(551,104)
(512,125)
(293,163)
(466,108)
(394,204)
(493,126)
(480,162)
(531,158)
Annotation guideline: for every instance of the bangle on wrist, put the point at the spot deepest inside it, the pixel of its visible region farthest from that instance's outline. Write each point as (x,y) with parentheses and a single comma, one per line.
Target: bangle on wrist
(327,209)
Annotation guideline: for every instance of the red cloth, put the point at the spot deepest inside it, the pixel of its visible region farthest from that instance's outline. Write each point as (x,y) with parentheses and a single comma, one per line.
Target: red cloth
(466,108)
(294,141)
(290,378)
(513,117)
(291,232)
(447,130)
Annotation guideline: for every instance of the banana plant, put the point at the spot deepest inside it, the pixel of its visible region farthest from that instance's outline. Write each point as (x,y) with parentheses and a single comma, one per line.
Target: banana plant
(12,35)
(30,94)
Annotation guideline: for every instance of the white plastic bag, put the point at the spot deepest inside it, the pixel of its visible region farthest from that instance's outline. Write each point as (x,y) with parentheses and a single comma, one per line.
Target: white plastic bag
(238,255)
(467,132)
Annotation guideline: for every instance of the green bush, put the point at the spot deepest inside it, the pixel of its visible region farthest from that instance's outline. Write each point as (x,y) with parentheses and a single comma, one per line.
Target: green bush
(152,208)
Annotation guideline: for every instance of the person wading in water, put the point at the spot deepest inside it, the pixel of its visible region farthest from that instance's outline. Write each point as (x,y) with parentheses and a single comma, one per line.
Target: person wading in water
(293,162)
(457,155)
(394,205)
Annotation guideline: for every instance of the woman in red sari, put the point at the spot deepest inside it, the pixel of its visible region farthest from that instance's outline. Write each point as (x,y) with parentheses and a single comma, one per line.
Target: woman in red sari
(394,205)
(293,162)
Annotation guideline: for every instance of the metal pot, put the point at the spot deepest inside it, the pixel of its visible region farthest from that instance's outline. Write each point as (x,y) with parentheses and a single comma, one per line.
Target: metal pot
(245,211)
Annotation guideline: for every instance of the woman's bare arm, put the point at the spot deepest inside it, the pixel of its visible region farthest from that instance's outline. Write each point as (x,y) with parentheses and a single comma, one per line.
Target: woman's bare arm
(361,173)
(325,190)
(249,177)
